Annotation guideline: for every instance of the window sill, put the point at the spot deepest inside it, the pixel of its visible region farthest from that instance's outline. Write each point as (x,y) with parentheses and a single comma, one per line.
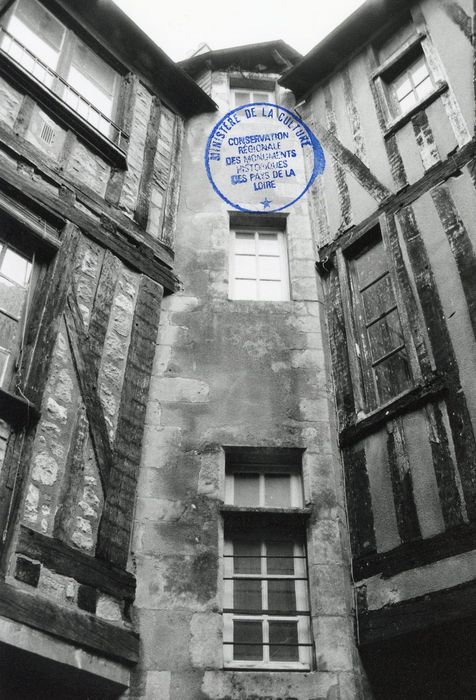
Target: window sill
(404,403)
(61,112)
(272,511)
(68,561)
(17,411)
(285,668)
(422,552)
(399,122)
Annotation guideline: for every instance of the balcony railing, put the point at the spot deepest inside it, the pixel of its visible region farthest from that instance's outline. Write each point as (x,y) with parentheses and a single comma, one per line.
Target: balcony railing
(60,88)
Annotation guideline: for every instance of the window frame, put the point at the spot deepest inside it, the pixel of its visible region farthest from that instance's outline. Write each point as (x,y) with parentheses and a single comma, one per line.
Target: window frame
(365,387)
(8,371)
(387,71)
(252,90)
(296,492)
(52,99)
(404,68)
(35,237)
(260,526)
(408,72)
(300,617)
(283,263)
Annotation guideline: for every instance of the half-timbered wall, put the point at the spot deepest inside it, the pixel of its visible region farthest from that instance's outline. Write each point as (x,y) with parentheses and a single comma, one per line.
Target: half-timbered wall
(101,222)
(409,461)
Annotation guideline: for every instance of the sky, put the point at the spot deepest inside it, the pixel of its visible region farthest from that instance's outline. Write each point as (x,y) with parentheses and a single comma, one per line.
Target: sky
(180,26)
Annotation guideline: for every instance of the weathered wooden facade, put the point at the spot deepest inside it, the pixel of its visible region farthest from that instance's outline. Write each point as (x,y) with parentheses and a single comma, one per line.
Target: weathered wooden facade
(390,94)
(91,124)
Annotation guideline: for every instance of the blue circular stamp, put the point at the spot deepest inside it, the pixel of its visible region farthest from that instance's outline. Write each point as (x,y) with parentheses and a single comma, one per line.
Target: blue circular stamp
(262,158)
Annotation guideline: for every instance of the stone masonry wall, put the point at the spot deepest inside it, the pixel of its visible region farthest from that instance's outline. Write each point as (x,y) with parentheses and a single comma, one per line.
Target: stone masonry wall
(232,373)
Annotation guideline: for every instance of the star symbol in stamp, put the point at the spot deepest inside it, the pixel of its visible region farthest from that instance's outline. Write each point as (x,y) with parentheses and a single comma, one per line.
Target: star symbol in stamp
(266,202)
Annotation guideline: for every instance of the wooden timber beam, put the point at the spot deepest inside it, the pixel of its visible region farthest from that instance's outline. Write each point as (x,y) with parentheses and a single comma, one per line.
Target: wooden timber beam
(417,614)
(421,552)
(352,163)
(121,237)
(409,401)
(438,173)
(68,561)
(84,364)
(78,628)
(116,522)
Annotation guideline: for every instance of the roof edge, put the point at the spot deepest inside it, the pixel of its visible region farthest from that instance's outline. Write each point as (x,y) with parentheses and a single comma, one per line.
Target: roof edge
(341,43)
(106,21)
(218,57)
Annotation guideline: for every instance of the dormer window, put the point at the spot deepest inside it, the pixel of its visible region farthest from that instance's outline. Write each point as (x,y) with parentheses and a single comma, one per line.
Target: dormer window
(51,53)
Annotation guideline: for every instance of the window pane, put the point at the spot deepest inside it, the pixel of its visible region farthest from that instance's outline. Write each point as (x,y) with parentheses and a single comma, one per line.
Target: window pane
(282,596)
(268,244)
(245,266)
(408,102)
(248,640)
(283,638)
(269,268)
(261,97)
(370,265)
(12,297)
(424,89)
(419,72)
(247,595)
(25,59)
(270,291)
(392,376)
(91,65)
(43,22)
(279,557)
(246,490)
(245,289)
(378,298)
(277,490)
(403,87)
(4,355)
(242,98)
(245,243)
(385,335)
(39,31)
(16,267)
(91,92)
(247,557)
(8,332)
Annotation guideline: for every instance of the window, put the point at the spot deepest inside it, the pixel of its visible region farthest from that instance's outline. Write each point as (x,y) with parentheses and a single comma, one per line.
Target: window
(381,344)
(276,488)
(266,598)
(15,278)
(410,86)
(52,54)
(246,97)
(258,266)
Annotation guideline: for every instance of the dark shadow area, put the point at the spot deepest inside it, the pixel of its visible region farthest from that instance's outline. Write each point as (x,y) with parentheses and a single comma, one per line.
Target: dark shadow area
(25,676)
(435,665)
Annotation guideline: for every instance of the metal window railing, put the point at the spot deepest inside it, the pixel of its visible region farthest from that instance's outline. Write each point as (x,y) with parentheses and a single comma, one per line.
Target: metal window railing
(270,644)
(57,85)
